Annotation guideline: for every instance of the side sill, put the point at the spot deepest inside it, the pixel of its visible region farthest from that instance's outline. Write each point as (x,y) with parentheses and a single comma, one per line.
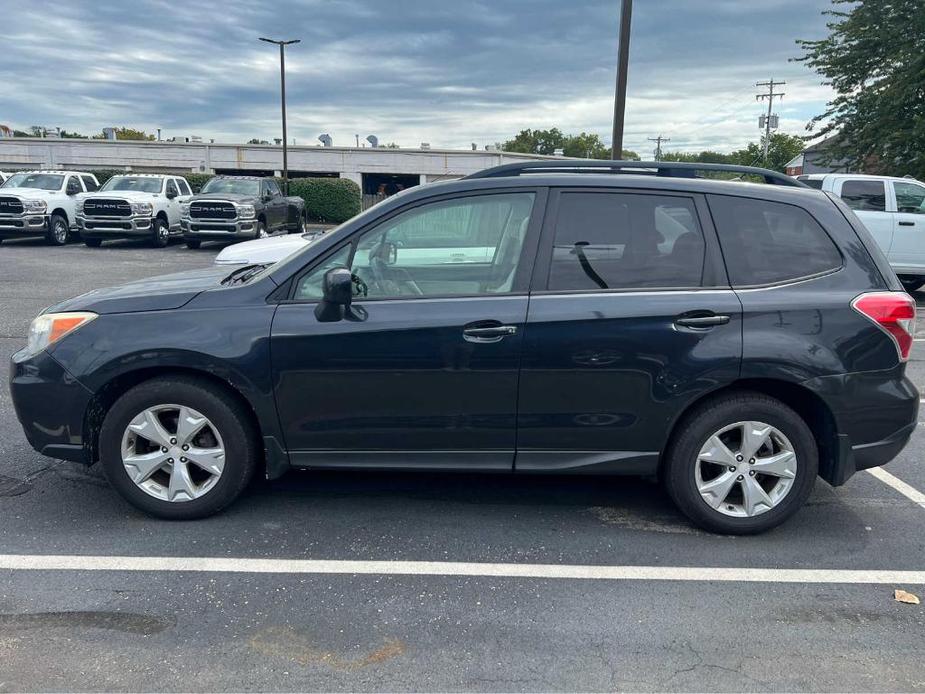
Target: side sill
(588,462)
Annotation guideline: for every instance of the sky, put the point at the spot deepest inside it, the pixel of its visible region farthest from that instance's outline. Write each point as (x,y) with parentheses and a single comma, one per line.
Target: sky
(446,72)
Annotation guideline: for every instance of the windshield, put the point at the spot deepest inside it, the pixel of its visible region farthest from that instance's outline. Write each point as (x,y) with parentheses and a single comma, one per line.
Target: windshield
(144,184)
(234,186)
(29,180)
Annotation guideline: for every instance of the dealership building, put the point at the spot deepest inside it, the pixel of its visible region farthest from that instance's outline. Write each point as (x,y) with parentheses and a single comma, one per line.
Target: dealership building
(370,167)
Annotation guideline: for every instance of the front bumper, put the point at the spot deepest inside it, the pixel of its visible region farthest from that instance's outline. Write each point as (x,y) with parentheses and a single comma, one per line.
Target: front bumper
(23,225)
(112,227)
(217,229)
(58,431)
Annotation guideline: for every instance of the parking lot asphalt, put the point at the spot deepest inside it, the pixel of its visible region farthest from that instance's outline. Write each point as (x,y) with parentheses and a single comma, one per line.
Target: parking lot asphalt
(453,626)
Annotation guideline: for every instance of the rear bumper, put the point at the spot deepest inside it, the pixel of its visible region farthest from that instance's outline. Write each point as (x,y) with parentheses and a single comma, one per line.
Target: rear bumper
(875,413)
(53,431)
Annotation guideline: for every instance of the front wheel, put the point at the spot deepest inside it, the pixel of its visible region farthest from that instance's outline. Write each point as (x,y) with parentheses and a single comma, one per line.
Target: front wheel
(178,448)
(741,464)
(58,230)
(261,232)
(911,282)
(160,234)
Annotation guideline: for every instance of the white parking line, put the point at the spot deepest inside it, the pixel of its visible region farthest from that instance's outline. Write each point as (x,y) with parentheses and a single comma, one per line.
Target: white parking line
(43,562)
(906,490)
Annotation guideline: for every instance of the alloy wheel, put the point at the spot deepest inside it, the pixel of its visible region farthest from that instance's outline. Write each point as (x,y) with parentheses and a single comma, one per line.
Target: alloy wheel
(173,452)
(745,469)
(60,231)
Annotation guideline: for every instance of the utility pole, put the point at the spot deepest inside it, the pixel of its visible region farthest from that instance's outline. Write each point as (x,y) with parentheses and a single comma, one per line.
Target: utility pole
(623,57)
(767,121)
(658,145)
(282,88)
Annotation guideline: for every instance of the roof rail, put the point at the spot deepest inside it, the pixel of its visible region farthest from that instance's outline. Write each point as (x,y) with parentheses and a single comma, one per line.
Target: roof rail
(669,169)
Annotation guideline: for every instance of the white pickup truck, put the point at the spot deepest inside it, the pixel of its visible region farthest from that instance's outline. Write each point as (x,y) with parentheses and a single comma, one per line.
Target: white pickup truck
(42,203)
(893,210)
(131,206)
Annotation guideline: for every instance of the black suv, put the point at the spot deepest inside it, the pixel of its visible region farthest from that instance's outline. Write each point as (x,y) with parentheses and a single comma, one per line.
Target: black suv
(735,339)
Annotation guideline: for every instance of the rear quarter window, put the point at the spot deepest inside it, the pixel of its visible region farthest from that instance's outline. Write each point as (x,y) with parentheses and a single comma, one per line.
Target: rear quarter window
(769,242)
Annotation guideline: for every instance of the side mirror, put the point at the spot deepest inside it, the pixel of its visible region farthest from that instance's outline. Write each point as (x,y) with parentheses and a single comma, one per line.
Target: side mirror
(267,196)
(171,195)
(72,190)
(337,290)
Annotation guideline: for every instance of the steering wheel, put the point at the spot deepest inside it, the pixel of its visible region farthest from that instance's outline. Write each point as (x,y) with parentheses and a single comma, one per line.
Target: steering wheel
(389,278)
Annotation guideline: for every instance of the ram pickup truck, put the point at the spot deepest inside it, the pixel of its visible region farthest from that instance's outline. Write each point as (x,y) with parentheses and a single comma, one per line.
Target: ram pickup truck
(233,208)
(892,209)
(42,203)
(131,206)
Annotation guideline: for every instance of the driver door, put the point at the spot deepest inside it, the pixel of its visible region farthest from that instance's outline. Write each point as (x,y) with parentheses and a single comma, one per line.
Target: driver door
(425,371)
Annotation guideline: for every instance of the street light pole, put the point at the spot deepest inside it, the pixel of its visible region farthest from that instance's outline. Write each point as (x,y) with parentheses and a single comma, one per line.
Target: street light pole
(282,88)
(623,56)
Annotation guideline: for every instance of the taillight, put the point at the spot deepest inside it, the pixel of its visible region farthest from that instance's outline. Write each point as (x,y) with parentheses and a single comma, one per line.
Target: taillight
(894,312)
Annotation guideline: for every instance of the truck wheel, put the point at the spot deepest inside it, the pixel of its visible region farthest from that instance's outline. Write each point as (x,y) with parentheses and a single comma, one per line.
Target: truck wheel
(741,464)
(58,230)
(261,232)
(160,234)
(911,282)
(178,448)
(93,243)
(193,244)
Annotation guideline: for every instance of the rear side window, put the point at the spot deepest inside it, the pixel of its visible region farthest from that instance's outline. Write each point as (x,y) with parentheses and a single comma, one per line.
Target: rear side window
(625,241)
(184,187)
(768,242)
(811,182)
(864,196)
(89,183)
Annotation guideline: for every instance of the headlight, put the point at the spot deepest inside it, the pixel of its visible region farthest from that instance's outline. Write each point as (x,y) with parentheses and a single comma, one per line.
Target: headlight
(80,206)
(246,211)
(142,208)
(184,209)
(34,205)
(48,328)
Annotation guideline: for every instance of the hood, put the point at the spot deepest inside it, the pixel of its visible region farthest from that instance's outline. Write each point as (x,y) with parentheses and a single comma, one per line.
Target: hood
(153,294)
(262,251)
(33,193)
(129,195)
(231,197)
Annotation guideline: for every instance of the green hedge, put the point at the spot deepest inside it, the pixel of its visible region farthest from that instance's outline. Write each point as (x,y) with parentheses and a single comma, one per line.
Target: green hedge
(331,200)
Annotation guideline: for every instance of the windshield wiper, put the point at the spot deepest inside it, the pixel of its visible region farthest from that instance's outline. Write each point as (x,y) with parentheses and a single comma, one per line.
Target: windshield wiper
(243,274)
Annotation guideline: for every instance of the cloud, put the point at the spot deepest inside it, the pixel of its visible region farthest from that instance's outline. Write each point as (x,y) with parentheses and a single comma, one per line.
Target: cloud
(436,71)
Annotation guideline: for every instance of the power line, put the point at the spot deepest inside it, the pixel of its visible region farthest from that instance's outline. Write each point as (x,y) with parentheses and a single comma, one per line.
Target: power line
(770,96)
(658,145)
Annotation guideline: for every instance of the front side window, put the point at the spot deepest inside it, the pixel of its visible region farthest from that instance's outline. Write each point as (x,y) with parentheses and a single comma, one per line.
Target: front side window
(172,188)
(273,188)
(609,240)
(461,247)
(864,196)
(910,197)
(37,181)
(768,242)
(143,184)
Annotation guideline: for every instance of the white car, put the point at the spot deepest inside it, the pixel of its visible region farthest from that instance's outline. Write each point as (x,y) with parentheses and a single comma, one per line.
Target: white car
(131,206)
(892,209)
(265,251)
(42,203)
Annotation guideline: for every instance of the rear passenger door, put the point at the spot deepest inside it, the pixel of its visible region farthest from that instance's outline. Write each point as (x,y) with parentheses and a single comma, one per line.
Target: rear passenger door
(909,225)
(276,205)
(630,320)
(868,199)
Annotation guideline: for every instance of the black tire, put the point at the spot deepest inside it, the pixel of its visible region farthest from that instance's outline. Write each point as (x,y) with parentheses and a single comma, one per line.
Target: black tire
(58,230)
(223,411)
(160,233)
(261,231)
(298,227)
(93,243)
(911,282)
(692,433)
(193,244)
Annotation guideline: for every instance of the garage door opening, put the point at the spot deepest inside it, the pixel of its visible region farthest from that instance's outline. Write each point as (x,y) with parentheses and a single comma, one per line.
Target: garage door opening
(377,187)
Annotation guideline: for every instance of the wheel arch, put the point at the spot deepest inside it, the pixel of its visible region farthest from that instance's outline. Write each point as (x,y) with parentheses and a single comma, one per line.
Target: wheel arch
(806,403)
(61,211)
(162,215)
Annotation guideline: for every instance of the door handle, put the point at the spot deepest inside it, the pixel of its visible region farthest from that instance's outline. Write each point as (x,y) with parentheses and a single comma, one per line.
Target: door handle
(701,321)
(907,224)
(488,333)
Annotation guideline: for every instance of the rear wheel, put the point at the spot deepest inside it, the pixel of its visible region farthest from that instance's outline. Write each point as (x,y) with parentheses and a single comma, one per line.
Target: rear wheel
(160,234)
(911,282)
(93,243)
(741,464)
(193,243)
(58,230)
(178,448)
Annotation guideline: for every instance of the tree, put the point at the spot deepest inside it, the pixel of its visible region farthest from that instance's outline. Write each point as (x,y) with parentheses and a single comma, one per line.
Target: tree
(583,146)
(782,149)
(704,157)
(874,59)
(125,133)
(256,141)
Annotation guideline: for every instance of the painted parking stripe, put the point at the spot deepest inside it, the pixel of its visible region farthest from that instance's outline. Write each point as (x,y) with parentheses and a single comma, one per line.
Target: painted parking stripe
(907,490)
(43,562)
